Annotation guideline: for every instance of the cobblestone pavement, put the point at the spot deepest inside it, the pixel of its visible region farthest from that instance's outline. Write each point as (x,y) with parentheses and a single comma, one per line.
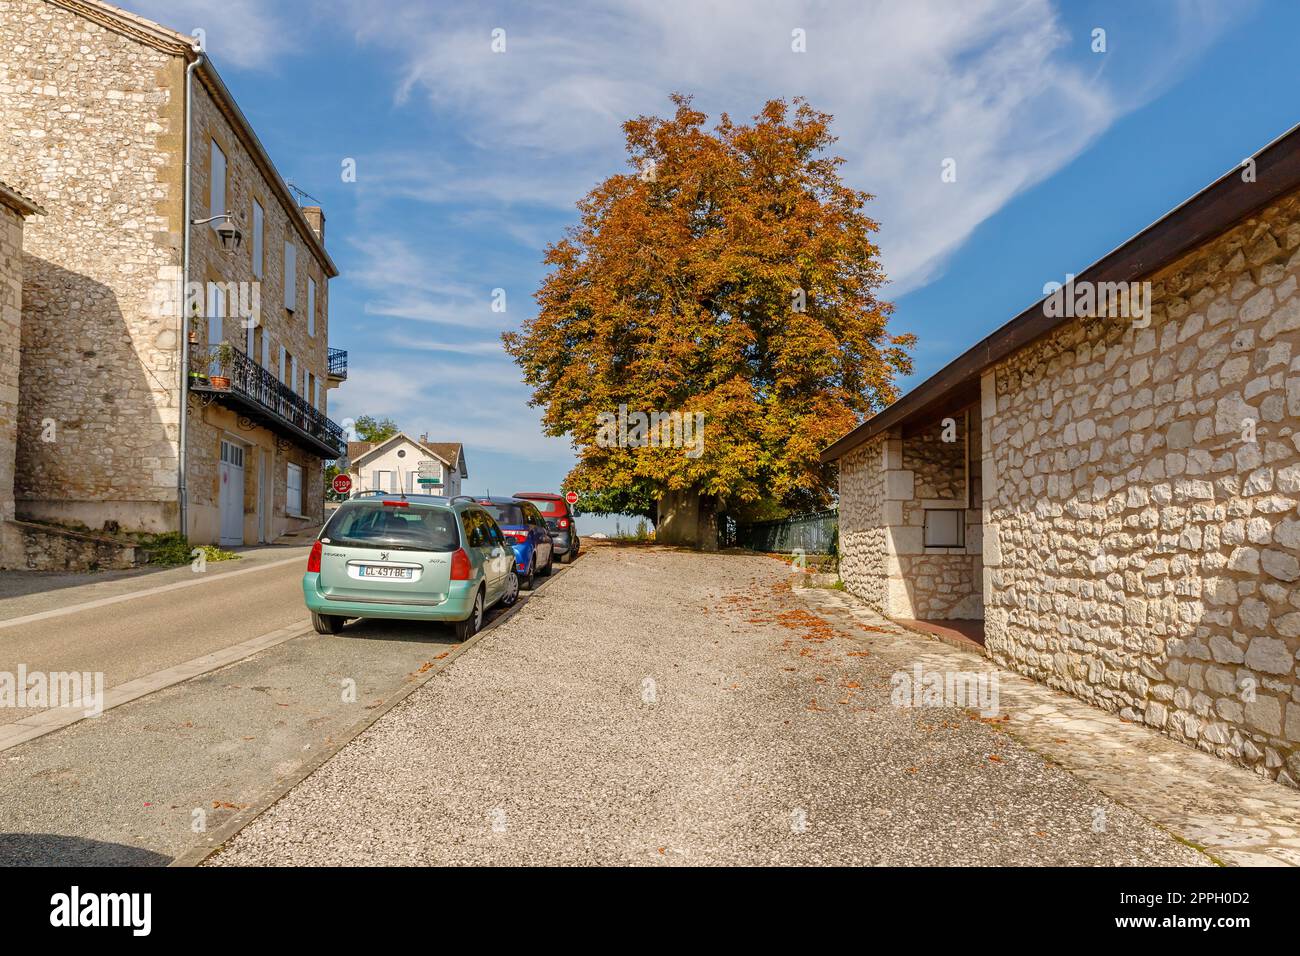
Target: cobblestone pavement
(1238,817)
(663,707)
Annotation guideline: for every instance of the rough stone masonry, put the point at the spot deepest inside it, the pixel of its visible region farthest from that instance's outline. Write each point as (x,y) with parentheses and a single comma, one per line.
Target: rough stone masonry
(1135,505)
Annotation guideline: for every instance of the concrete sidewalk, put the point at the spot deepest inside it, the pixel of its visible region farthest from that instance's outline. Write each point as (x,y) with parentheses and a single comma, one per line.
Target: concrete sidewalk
(663,707)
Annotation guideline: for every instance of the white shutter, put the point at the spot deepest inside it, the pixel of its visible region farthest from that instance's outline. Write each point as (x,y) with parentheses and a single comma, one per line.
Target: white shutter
(311,306)
(290,276)
(293,498)
(259,223)
(217,185)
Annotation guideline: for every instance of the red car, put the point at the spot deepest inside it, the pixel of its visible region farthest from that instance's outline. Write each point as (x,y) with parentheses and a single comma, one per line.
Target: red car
(559,517)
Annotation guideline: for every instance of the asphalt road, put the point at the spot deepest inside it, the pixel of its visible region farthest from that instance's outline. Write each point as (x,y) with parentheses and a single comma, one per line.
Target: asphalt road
(144,781)
(154,629)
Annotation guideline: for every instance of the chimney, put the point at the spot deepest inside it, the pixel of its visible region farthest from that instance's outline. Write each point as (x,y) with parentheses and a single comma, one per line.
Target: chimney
(424,438)
(315,219)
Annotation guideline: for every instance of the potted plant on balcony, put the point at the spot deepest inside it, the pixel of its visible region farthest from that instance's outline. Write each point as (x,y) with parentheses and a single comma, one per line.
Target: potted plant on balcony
(225,358)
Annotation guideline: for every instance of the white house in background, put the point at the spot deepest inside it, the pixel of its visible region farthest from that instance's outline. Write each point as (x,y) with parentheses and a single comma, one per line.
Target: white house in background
(399,463)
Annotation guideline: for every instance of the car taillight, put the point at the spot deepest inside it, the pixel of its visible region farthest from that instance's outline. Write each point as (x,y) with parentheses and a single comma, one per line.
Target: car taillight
(563,522)
(313,559)
(460,569)
(396,504)
(518,535)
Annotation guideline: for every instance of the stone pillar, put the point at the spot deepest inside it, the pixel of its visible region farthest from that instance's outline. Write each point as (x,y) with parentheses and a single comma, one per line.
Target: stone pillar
(11,314)
(900,539)
(992,549)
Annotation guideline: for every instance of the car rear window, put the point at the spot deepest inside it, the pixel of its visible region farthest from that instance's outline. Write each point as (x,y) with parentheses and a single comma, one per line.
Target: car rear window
(550,506)
(506,514)
(371,525)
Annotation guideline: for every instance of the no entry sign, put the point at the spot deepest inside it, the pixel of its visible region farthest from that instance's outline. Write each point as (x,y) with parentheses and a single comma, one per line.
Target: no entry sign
(342,484)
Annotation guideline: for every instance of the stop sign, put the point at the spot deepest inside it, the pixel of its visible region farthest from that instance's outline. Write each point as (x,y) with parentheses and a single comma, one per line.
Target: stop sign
(571,497)
(342,484)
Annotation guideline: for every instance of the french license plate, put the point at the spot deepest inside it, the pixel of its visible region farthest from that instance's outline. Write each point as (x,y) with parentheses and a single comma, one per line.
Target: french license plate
(376,571)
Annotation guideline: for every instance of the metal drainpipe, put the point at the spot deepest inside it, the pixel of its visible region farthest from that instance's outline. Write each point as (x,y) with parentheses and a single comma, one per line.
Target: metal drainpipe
(183,447)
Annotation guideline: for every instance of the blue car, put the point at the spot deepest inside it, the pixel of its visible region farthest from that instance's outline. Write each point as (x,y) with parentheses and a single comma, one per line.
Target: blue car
(525,528)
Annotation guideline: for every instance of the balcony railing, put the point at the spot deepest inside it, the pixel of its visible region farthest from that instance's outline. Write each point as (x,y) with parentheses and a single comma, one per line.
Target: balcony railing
(338,363)
(262,397)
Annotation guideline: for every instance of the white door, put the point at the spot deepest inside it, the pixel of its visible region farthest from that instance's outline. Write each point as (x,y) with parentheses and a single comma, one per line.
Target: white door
(231,498)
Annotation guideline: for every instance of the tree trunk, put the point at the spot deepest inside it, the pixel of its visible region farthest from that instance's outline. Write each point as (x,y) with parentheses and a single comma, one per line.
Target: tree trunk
(688,519)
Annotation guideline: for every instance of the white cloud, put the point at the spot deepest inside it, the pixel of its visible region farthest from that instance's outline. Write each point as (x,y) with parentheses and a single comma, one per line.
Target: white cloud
(242,33)
(421,285)
(479,403)
(1000,87)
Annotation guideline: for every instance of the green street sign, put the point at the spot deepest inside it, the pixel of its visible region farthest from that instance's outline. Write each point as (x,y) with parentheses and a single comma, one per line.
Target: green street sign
(429,481)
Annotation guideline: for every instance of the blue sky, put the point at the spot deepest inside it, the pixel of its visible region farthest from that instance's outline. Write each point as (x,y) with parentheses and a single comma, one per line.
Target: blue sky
(469,161)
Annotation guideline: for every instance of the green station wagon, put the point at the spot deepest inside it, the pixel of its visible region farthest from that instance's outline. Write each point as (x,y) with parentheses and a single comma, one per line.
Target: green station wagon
(409,557)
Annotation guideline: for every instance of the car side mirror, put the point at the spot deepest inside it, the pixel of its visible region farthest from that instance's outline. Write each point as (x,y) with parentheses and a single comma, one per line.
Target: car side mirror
(575,513)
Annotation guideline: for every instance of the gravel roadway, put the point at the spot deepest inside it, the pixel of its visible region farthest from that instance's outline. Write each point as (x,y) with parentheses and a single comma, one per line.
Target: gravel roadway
(662,707)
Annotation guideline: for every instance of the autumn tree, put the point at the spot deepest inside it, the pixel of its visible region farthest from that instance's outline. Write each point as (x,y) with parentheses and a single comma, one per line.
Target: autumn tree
(731,273)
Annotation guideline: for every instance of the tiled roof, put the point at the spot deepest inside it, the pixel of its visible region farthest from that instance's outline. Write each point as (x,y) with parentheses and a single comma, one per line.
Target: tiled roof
(24,205)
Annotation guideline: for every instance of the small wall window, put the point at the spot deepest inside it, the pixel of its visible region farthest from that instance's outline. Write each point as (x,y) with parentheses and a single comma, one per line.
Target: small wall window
(311,306)
(945,528)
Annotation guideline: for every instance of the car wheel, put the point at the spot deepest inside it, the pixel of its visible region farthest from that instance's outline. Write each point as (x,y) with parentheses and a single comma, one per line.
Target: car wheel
(470,626)
(326,623)
(511,594)
(526,583)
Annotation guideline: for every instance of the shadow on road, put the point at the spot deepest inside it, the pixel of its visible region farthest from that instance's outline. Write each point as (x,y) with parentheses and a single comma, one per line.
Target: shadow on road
(53,849)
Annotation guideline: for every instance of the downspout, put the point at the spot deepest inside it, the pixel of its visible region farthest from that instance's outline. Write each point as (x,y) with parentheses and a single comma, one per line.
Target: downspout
(182,453)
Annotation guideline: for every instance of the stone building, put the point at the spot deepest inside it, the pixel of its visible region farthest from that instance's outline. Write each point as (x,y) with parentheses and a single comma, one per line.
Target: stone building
(95,119)
(1111,494)
(14,208)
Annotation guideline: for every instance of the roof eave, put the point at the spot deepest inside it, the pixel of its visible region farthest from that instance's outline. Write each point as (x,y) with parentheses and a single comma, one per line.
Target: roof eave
(1209,213)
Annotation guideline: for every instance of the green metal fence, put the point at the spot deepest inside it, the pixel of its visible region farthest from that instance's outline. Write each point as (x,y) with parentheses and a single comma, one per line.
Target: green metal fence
(813,533)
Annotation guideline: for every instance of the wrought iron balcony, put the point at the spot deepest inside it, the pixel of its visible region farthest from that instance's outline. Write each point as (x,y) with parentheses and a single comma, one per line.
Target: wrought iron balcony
(261,398)
(339,364)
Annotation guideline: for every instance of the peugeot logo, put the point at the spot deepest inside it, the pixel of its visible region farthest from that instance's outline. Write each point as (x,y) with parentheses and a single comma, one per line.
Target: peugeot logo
(383,555)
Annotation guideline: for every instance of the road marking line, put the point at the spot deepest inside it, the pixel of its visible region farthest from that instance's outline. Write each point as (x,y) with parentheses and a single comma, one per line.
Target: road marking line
(147,592)
(46,722)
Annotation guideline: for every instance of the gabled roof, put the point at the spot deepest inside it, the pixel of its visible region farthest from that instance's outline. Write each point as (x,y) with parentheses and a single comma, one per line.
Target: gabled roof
(449,453)
(1210,213)
(358,448)
(18,202)
(161,38)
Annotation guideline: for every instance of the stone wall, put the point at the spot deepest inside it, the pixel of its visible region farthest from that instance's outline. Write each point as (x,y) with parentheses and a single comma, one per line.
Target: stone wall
(863,538)
(11,297)
(936,583)
(1142,533)
(91,123)
(885,488)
